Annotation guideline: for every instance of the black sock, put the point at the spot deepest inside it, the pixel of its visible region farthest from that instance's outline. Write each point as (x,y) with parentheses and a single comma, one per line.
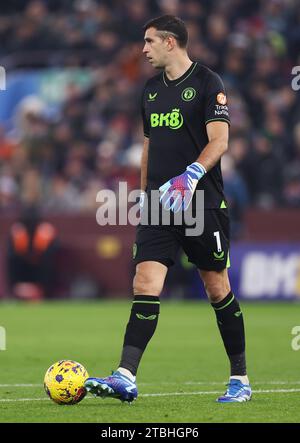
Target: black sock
(140,329)
(231,325)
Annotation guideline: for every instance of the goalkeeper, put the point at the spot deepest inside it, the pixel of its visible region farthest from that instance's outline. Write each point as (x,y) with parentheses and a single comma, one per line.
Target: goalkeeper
(186,127)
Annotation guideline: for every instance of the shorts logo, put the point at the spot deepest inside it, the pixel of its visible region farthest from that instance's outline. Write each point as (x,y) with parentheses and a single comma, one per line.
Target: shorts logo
(219,256)
(134,250)
(221,98)
(173,119)
(188,94)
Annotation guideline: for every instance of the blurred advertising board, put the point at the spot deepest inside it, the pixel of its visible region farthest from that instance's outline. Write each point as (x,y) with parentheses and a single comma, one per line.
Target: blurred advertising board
(103,256)
(50,86)
(265,271)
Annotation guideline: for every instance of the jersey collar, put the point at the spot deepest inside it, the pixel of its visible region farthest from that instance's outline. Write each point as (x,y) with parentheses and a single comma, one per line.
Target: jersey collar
(179,80)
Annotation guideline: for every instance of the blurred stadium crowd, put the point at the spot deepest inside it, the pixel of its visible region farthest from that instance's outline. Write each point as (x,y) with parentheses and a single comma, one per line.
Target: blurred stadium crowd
(61,161)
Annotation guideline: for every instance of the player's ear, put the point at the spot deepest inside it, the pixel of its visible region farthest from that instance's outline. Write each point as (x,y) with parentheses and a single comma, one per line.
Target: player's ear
(171,42)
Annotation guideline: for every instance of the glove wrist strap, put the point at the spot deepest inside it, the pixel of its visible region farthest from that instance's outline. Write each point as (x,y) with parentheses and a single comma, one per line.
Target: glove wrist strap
(198,169)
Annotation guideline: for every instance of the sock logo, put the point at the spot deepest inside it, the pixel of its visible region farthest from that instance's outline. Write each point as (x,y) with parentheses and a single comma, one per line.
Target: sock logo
(143,317)
(238,313)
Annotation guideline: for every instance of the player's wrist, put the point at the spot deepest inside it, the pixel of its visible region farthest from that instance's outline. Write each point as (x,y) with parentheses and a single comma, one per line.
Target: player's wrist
(198,169)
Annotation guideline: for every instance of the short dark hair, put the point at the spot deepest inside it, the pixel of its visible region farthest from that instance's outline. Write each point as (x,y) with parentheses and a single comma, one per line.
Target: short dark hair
(169,23)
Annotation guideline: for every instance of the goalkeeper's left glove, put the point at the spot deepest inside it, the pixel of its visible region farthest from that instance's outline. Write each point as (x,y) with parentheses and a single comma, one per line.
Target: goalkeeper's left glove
(177,193)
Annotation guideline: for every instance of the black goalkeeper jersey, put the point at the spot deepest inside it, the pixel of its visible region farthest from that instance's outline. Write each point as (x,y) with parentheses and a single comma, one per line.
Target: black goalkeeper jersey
(175,114)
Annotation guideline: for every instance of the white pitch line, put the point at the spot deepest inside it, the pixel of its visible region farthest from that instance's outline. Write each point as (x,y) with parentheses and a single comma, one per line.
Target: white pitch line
(253,384)
(164,394)
(205,383)
(10,400)
(21,385)
(259,391)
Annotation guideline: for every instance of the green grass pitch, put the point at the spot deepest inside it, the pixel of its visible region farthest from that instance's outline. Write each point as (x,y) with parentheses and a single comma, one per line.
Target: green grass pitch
(183,370)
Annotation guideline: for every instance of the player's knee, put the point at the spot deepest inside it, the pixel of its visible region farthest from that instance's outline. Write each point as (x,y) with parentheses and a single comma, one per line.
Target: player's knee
(216,284)
(144,285)
(215,292)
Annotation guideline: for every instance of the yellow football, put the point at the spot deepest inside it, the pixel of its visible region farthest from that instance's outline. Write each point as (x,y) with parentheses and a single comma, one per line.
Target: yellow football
(64,382)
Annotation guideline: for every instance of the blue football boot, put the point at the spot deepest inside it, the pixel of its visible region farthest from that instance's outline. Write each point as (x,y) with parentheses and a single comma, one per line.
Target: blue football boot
(116,385)
(236,392)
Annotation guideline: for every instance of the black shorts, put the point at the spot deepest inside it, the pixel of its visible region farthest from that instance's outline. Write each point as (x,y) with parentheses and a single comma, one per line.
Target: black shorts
(208,251)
